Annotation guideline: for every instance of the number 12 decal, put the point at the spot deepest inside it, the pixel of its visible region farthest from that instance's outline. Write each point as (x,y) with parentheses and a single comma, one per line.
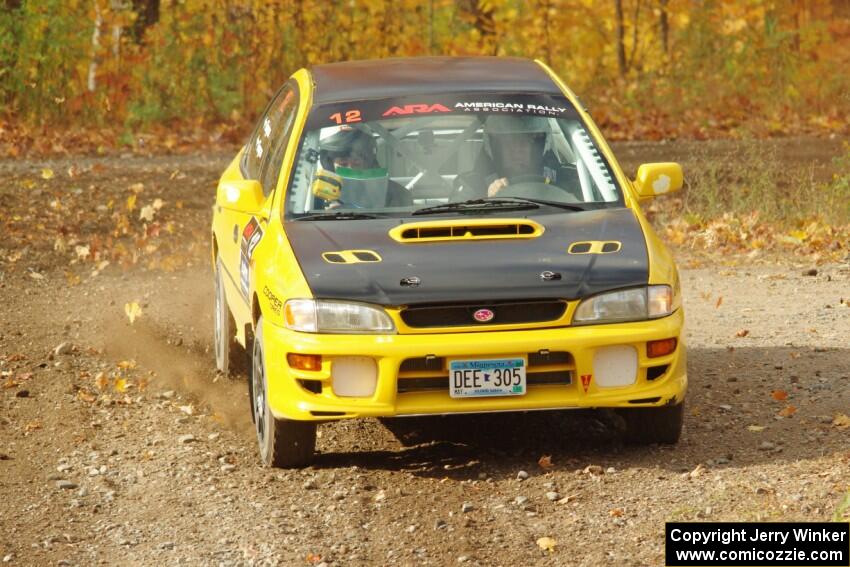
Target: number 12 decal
(350,116)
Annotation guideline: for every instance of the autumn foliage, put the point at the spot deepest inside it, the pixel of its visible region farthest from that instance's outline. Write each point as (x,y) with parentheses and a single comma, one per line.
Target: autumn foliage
(648,68)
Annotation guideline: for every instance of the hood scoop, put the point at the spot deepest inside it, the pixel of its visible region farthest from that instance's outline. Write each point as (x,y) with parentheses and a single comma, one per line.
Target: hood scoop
(465,230)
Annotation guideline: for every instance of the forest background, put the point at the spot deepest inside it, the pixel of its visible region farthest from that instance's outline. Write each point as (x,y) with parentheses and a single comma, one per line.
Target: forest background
(103,76)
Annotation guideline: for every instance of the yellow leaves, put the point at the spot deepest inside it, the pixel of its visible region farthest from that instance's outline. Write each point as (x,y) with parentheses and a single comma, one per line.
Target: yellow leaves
(32,426)
(756,428)
(47,173)
(841,421)
(133,311)
(121,385)
(547,544)
(131,202)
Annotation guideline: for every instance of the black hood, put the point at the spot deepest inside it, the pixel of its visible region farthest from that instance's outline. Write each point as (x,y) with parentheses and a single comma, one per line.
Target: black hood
(476,270)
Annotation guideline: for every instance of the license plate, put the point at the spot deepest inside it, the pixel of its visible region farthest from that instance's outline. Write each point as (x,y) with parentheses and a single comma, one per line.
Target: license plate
(477,378)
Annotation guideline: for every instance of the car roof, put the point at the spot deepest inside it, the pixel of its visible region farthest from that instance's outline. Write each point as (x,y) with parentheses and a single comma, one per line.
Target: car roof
(397,77)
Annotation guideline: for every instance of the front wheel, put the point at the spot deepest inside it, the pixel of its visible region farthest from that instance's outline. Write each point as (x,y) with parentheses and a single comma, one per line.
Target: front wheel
(283,443)
(645,426)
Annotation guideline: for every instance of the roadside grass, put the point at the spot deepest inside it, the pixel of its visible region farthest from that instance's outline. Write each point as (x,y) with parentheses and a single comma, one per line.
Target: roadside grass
(753,198)
(842,511)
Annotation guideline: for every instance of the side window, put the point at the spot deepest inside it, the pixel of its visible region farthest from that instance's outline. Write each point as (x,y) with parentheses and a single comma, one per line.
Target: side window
(278,121)
(267,144)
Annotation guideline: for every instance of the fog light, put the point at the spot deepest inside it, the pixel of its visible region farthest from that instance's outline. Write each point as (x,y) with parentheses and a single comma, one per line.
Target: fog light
(304,361)
(354,376)
(615,366)
(662,347)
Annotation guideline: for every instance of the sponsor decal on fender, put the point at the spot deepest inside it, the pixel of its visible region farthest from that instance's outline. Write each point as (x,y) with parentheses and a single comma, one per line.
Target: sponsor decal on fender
(251,236)
(274,302)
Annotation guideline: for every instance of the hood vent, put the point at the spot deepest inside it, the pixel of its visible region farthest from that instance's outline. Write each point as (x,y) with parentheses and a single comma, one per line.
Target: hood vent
(460,230)
(351,257)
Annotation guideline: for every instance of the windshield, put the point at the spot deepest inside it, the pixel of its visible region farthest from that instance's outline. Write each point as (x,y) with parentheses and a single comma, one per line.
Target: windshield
(396,157)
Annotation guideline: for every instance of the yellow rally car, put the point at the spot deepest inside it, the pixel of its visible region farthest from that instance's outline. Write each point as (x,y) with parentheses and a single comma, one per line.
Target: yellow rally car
(435,236)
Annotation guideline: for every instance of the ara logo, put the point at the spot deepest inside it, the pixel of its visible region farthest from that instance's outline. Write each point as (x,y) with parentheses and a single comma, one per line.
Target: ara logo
(415,109)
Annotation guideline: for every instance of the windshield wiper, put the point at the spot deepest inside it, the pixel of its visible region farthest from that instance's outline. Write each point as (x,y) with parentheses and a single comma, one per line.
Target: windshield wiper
(558,204)
(477,205)
(341,215)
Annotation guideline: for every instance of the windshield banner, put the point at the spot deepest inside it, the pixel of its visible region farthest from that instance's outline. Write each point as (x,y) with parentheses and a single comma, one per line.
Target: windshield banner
(476,103)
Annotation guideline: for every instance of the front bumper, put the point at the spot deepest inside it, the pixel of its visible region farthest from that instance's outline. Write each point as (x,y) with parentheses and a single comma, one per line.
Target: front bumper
(658,381)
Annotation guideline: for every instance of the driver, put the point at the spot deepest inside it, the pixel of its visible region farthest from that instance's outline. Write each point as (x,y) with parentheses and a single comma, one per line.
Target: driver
(517,145)
(515,151)
(354,152)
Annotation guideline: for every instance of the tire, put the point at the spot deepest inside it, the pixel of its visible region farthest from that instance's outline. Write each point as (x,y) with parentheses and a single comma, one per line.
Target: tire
(283,443)
(645,426)
(230,357)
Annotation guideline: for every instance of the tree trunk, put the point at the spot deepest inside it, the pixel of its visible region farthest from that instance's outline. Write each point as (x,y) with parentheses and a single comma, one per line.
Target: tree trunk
(95,48)
(664,27)
(621,38)
(147,14)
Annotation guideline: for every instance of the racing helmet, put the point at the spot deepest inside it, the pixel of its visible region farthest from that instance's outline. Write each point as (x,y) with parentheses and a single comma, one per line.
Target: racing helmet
(510,124)
(499,127)
(348,142)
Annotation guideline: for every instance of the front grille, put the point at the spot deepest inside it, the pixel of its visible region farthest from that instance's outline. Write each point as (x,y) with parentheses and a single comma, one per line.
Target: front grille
(431,373)
(505,313)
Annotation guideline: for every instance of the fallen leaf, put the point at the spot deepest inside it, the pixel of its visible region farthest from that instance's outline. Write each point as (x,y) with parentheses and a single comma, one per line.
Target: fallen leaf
(133,311)
(86,396)
(131,202)
(841,421)
(788,411)
(313,558)
(742,333)
(32,426)
(120,385)
(82,252)
(547,544)
(779,395)
(719,302)
(616,512)
(36,276)
(101,381)
(147,213)
(545,462)
(756,428)
(126,364)
(47,173)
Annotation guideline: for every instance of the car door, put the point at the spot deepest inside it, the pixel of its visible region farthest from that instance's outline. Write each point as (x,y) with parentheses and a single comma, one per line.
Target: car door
(240,232)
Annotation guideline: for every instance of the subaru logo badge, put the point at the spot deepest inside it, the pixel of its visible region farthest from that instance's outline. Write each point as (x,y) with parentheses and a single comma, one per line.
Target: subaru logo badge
(483,315)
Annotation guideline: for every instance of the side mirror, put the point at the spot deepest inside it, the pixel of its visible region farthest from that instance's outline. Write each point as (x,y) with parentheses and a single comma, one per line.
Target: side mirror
(245,195)
(658,178)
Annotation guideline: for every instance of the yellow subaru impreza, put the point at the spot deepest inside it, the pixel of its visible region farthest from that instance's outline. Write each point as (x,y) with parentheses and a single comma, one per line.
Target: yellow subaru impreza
(441,235)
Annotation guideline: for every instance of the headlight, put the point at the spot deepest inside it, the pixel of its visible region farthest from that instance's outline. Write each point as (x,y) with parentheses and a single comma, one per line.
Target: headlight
(320,316)
(636,304)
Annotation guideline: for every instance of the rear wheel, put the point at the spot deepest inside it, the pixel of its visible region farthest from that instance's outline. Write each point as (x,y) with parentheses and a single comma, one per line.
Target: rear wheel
(229,355)
(645,426)
(282,442)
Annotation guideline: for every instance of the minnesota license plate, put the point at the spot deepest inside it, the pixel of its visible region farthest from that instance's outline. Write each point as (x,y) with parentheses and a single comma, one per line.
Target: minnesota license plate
(477,378)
